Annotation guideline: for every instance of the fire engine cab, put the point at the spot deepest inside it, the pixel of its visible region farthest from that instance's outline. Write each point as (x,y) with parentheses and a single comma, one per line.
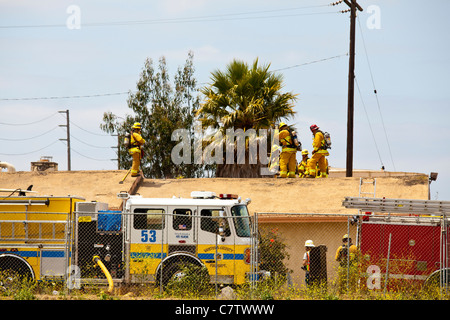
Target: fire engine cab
(402,240)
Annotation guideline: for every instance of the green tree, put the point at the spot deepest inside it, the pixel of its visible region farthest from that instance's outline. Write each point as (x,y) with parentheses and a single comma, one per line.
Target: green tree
(161,107)
(244,97)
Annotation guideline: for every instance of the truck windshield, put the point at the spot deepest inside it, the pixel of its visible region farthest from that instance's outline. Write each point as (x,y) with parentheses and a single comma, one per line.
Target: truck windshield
(241,220)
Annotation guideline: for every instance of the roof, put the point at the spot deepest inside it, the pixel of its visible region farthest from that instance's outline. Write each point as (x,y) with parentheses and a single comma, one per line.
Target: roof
(315,196)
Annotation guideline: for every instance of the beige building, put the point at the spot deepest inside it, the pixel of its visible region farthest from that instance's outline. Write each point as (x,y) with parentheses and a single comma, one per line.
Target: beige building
(297,209)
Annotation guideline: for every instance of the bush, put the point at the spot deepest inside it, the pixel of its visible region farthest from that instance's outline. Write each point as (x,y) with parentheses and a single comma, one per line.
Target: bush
(273,253)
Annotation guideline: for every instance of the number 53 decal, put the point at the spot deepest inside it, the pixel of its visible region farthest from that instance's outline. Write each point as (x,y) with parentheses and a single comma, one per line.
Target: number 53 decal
(148,236)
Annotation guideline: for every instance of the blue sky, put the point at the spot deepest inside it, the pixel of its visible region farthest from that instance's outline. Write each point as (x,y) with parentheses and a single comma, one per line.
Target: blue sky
(405,58)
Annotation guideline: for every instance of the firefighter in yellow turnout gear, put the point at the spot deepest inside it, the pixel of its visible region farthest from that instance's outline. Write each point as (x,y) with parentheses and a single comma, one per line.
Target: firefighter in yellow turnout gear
(318,154)
(303,165)
(135,150)
(288,159)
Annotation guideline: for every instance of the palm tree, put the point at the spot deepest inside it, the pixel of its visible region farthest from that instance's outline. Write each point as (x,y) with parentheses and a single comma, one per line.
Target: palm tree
(244,97)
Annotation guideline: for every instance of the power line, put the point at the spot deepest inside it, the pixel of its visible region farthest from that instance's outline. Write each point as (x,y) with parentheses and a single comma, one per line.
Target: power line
(376,94)
(207,18)
(90,145)
(97,134)
(87,157)
(66,97)
(30,152)
(368,120)
(123,93)
(29,123)
(31,138)
(311,62)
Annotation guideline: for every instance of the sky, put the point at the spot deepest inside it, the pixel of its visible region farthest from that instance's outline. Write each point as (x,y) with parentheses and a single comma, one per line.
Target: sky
(85,56)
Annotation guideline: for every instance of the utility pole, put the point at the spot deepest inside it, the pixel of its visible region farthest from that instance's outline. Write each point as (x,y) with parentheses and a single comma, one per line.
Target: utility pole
(67,125)
(118,150)
(351,85)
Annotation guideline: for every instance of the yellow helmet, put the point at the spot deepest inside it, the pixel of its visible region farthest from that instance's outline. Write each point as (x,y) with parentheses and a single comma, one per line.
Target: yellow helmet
(304,152)
(136,125)
(281,125)
(345,237)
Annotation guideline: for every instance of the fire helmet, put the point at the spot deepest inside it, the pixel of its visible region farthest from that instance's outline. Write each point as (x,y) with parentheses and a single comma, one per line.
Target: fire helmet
(309,243)
(136,125)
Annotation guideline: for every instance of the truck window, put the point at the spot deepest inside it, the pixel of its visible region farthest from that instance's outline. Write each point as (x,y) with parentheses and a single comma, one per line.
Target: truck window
(210,221)
(148,219)
(241,220)
(182,219)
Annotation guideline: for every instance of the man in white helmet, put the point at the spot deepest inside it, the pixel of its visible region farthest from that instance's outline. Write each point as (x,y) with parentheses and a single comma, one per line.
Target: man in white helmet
(309,244)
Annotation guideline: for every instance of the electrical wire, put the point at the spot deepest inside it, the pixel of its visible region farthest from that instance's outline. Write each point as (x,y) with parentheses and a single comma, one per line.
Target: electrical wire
(31,138)
(97,134)
(376,94)
(122,93)
(65,97)
(311,62)
(91,158)
(90,145)
(29,123)
(368,120)
(30,152)
(208,18)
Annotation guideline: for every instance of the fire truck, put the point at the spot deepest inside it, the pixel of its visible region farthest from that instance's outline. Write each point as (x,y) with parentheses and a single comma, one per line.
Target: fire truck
(150,240)
(402,240)
(35,232)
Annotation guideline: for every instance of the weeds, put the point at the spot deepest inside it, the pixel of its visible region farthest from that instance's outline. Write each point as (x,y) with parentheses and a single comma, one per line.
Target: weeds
(193,282)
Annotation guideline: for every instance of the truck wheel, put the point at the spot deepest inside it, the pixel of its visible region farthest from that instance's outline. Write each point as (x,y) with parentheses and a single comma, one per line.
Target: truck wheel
(435,279)
(174,272)
(13,270)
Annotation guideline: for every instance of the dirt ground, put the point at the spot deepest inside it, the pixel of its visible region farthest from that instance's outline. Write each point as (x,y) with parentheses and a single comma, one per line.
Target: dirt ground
(267,194)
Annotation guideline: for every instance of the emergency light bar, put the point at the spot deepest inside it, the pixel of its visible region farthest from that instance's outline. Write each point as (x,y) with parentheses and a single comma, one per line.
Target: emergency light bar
(228,196)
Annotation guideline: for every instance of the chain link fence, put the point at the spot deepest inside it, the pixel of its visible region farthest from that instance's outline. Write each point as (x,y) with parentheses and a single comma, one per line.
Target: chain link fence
(203,250)
(360,255)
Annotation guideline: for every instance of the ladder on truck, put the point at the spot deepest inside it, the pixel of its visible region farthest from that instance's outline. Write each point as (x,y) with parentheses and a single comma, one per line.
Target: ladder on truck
(432,207)
(436,209)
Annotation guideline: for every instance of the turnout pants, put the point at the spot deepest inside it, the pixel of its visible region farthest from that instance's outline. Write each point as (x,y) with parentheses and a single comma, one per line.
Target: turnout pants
(287,161)
(318,159)
(136,154)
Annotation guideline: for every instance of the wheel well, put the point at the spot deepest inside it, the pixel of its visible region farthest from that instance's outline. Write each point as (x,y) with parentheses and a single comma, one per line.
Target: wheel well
(177,258)
(434,278)
(16,263)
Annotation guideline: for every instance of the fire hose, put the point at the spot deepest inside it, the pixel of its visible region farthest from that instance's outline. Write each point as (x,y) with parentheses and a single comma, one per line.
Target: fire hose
(97,260)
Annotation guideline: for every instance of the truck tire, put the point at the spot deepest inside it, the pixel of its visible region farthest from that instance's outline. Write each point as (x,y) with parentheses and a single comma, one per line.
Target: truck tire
(14,268)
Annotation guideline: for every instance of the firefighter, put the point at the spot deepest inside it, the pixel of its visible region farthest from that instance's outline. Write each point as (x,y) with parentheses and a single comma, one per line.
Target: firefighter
(303,165)
(318,154)
(135,150)
(346,248)
(288,159)
(309,244)
(347,255)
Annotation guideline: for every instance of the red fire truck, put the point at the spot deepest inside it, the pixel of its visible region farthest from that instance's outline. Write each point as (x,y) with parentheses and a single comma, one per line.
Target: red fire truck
(402,240)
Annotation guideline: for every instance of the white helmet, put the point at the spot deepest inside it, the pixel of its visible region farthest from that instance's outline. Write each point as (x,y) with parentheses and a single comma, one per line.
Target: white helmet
(309,243)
